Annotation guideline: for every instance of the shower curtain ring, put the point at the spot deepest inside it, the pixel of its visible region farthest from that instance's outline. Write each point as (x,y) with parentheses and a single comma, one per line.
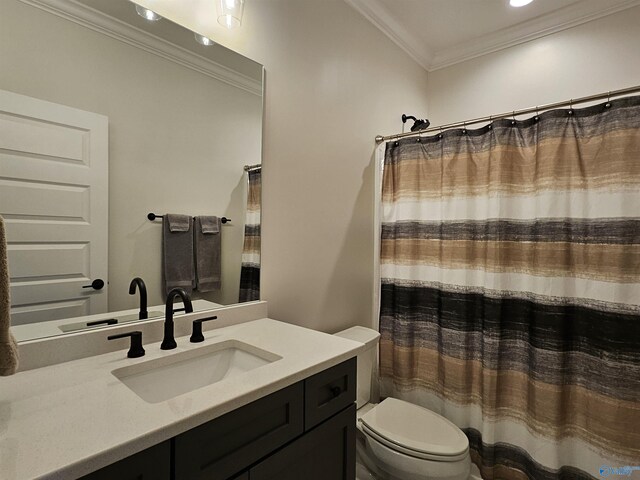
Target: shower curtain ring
(513,122)
(537,117)
(608,104)
(440,136)
(490,126)
(571,107)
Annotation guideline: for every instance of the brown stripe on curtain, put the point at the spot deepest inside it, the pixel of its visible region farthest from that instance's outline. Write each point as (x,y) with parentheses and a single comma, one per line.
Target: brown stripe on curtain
(606,262)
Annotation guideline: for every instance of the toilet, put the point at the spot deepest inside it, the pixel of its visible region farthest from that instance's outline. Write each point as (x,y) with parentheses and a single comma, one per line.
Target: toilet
(398,440)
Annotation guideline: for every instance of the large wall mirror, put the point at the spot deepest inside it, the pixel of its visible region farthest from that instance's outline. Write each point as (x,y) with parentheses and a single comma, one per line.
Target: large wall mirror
(106,117)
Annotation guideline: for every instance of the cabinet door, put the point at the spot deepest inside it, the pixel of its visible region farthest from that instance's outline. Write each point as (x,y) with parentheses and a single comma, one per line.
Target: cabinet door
(151,464)
(325,453)
(221,448)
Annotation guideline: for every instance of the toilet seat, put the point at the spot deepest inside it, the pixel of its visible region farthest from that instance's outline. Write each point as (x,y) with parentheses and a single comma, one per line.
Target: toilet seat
(415,431)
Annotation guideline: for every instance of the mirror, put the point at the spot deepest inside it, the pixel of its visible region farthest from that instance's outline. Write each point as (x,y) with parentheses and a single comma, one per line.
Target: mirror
(106,117)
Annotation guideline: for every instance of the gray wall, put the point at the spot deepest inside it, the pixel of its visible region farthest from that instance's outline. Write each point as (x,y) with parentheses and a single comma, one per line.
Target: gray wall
(333,81)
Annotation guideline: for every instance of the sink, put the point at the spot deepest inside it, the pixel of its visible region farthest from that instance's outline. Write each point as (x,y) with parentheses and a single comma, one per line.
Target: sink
(167,377)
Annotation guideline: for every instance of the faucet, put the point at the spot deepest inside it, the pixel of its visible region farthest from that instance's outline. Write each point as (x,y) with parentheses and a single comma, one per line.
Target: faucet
(143,315)
(169,342)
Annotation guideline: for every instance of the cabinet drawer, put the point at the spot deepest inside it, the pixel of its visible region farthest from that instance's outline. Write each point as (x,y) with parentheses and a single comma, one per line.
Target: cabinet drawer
(227,445)
(328,392)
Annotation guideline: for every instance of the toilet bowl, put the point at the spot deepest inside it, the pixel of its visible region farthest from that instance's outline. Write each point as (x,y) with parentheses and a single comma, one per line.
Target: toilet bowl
(398,440)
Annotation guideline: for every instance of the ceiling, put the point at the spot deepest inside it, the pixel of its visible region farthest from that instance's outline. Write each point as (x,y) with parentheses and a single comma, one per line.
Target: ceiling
(439,33)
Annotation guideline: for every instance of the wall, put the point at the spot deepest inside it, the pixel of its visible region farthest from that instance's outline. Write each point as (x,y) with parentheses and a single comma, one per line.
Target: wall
(178,140)
(333,81)
(595,57)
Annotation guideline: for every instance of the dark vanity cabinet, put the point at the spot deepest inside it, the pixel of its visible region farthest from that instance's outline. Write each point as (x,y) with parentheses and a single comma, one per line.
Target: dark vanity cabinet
(151,464)
(304,431)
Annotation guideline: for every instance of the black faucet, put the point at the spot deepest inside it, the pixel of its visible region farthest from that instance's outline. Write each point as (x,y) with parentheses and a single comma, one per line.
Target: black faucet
(169,343)
(143,315)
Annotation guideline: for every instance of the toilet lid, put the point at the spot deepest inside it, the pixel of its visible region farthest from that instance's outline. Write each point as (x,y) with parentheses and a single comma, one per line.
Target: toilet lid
(415,428)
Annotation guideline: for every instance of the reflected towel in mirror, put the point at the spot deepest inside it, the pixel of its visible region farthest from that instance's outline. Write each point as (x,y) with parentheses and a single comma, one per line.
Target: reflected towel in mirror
(8,346)
(177,247)
(208,241)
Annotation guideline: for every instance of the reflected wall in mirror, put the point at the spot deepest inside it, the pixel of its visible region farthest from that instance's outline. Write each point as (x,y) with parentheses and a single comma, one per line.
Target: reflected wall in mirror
(104,118)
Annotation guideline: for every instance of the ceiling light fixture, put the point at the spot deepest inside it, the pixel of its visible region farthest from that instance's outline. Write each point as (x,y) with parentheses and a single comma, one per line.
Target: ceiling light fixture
(519,3)
(147,14)
(202,40)
(230,12)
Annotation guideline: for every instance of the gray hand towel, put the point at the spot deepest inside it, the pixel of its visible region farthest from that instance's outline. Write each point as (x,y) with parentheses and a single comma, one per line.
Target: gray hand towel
(209,224)
(8,345)
(208,252)
(177,241)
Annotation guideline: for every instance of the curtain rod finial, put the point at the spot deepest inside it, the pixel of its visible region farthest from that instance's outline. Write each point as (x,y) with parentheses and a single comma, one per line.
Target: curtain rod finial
(379,138)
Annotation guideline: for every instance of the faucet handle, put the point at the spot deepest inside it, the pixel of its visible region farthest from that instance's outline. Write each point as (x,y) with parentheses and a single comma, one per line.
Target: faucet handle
(196,334)
(135,350)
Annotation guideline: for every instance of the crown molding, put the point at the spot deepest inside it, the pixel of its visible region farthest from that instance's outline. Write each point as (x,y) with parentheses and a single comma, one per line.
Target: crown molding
(548,24)
(381,18)
(123,32)
(553,22)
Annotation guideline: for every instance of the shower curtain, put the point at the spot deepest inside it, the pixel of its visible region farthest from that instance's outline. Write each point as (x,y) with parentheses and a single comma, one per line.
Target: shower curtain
(510,294)
(250,270)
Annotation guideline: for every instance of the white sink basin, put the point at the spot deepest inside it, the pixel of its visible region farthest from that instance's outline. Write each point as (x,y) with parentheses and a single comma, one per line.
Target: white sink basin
(167,377)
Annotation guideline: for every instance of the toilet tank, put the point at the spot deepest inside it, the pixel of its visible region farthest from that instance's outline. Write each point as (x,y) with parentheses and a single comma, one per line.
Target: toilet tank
(366,359)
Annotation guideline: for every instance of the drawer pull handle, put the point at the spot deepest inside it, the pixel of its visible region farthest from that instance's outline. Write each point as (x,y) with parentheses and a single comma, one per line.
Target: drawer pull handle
(336,391)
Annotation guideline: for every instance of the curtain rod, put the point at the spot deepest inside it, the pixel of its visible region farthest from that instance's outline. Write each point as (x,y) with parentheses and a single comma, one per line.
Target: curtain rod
(248,168)
(538,109)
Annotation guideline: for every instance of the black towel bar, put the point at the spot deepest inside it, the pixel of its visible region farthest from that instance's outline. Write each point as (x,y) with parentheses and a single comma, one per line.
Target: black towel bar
(153,216)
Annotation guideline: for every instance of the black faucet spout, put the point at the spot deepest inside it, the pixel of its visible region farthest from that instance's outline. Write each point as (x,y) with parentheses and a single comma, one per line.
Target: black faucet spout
(169,342)
(138,282)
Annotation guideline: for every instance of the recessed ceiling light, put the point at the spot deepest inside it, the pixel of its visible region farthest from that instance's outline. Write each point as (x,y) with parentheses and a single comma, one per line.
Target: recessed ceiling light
(519,3)
(147,14)
(202,40)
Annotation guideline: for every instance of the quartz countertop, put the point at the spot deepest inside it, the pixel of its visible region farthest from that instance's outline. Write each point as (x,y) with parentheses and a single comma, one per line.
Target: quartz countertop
(66,420)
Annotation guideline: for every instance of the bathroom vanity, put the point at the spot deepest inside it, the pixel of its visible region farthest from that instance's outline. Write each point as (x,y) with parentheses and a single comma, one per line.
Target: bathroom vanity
(313,419)
(282,408)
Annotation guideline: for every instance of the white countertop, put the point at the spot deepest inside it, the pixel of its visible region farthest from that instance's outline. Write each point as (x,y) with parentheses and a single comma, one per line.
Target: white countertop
(66,420)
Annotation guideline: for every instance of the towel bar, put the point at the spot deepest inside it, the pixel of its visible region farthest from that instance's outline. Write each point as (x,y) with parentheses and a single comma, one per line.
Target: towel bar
(153,216)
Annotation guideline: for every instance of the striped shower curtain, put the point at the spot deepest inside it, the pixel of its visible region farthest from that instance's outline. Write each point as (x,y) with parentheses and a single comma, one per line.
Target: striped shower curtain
(510,294)
(250,270)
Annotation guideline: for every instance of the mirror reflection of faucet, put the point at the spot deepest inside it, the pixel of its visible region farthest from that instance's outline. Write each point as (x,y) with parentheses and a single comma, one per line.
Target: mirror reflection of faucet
(142,288)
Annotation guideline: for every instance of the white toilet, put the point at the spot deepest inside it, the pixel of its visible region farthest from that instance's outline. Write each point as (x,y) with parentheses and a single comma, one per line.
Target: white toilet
(401,441)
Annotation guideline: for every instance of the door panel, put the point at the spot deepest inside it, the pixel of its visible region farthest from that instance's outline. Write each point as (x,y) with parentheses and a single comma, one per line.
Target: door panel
(54,198)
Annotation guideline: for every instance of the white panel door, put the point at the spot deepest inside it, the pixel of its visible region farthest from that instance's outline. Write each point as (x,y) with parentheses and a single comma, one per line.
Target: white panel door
(54,199)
